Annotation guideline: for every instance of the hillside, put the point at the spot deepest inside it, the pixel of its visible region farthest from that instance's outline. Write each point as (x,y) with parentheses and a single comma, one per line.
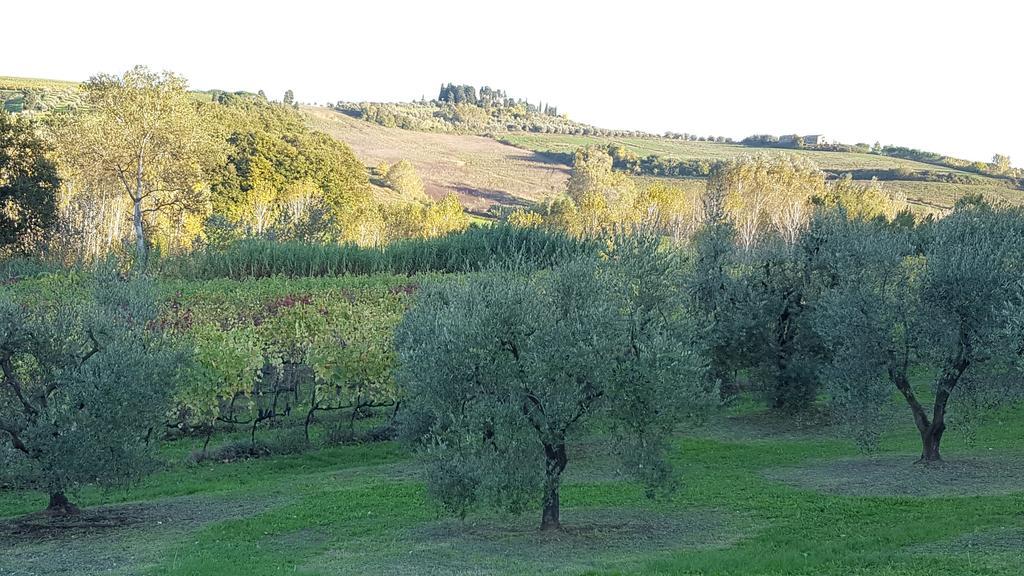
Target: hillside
(447,148)
(530,162)
(481,171)
(37,94)
(926,195)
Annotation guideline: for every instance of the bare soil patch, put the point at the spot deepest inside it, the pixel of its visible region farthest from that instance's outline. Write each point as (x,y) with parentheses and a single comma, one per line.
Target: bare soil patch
(590,539)
(900,475)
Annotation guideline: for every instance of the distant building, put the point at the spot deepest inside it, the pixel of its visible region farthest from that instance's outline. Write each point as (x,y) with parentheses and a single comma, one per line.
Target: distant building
(808,140)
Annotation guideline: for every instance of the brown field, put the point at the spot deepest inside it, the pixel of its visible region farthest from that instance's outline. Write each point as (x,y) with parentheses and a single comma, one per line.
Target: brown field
(481,171)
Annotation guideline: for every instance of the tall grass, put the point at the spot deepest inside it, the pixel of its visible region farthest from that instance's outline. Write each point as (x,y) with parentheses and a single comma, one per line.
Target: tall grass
(476,248)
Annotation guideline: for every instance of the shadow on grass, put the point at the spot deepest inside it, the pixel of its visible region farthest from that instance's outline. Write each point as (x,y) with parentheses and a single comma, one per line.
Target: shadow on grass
(591,539)
(899,475)
(122,538)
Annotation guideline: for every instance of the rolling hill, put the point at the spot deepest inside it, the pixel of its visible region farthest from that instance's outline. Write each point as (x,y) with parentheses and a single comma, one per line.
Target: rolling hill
(517,168)
(923,195)
(481,171)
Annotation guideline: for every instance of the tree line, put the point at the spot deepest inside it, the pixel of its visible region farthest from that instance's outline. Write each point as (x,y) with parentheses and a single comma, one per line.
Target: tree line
(144,161)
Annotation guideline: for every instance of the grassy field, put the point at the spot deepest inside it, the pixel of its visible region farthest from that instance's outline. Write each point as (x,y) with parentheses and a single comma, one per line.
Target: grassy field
(757,495)
(686,150)
(481,171)
(16,83)
(942,195)
(922,196)
(53,94)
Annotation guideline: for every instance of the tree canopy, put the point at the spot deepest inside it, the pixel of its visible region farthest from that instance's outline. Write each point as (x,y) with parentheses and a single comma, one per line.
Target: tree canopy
(503,370)
(83,383)
(28,186)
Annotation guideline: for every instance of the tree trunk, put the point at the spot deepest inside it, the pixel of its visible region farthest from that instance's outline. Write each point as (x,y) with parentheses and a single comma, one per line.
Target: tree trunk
(140,238)
(556,461)
(60,505)
(930,440)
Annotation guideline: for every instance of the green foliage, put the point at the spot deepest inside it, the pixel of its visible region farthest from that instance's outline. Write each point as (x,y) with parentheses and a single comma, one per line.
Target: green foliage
(283,181)
(935,298)
(503,368)
(84,381)
(267,349)
(600,200)
(755,311)
(28,186)
(134,158)
(999,167)
(461,109)
(476,248)
(403,178)
(866,202)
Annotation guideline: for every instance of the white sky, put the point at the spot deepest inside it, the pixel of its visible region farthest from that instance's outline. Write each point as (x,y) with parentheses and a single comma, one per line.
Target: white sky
(942,76)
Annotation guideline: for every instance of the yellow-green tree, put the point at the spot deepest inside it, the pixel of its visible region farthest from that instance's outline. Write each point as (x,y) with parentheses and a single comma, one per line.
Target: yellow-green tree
(141,136)
(767,193)
(861,201)
(600,195)
(444,217)
(403,178)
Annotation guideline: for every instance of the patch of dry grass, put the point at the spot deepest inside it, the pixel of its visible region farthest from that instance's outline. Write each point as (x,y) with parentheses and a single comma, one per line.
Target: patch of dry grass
(481,171)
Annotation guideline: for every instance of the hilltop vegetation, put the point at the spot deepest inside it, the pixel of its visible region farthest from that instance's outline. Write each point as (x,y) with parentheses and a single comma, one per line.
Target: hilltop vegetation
(931,182)
(927,186)
(461,110)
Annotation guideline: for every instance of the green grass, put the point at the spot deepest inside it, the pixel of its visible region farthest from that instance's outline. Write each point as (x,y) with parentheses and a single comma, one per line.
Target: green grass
(687,150)
(942,195)
(922,196)
(363,510)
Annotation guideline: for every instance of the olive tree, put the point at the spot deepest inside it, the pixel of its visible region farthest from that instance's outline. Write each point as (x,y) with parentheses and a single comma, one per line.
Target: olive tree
(934,297)
(82,383)
(504,369)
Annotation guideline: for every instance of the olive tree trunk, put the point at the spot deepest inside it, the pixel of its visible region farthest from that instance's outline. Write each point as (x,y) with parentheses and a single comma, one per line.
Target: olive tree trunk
(556,460)
(60,505)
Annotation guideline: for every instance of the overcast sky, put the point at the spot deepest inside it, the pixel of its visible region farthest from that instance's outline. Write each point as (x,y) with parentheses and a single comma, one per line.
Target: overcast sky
(942,76)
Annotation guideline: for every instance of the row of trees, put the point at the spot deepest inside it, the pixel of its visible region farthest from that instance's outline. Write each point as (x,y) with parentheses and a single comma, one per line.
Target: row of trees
(504,370)
(760,194)
(999,166)
(488,98)
(147,161)
(465,117)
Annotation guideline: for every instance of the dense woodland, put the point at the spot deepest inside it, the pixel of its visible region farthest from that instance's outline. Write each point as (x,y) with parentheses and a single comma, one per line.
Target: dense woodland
(178,266)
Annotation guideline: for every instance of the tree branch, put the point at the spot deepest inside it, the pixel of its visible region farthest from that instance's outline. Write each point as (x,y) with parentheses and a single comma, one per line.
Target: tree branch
(11,380)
